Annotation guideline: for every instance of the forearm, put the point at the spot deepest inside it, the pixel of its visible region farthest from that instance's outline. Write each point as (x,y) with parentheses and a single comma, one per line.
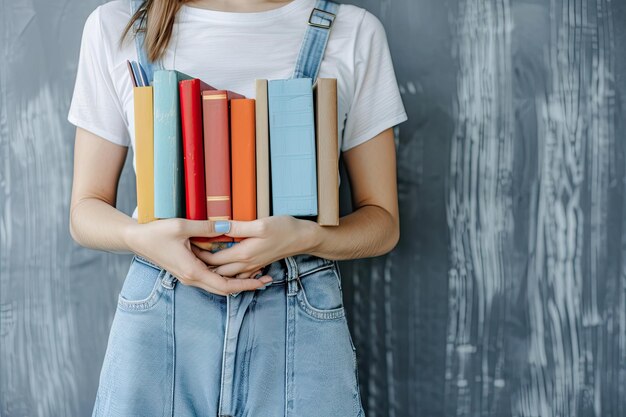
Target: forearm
(97,225)
(367,232)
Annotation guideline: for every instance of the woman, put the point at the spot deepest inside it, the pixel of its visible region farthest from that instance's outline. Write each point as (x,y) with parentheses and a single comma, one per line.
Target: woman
(258,329)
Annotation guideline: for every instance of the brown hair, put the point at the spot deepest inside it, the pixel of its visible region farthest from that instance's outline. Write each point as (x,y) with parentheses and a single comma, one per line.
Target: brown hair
(156,18)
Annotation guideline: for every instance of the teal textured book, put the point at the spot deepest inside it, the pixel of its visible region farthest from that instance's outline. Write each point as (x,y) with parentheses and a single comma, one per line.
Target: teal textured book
(292,147)
(169,174)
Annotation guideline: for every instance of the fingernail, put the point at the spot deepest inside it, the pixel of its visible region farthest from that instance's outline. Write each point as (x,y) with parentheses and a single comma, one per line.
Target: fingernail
(222,226)
(266,280)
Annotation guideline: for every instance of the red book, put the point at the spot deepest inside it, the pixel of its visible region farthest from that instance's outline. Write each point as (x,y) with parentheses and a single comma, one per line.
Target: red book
(193,149)
(243,157)
(215,111)
(193,146)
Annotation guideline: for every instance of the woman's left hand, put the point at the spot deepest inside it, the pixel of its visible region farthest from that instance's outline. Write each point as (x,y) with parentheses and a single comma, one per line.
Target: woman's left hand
(265,240)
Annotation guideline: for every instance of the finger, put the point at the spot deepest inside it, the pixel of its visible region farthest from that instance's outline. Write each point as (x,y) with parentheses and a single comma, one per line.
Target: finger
(238,270)
(234,269)
(201,253)
(242,228)
(231,285)
(249,275)
(254,274)
(199,274)
(210,281)
(204,228)
(226,256)
(206,256)
(205,253)
(210,288)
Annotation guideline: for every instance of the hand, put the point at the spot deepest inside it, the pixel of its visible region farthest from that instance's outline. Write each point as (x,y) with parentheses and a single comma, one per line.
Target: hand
(166,243)
(266,240)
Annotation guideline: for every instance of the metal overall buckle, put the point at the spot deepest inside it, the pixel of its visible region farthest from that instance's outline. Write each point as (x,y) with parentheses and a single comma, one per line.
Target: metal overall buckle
(331,18)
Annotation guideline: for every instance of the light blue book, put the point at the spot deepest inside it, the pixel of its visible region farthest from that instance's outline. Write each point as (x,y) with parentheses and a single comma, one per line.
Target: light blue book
(292,147)
(169,174)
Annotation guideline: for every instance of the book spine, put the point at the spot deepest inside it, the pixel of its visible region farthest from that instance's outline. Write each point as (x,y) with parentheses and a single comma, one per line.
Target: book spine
(168,157)
(326,129)
(193,149)
(144,152)
(217,157)
(292,147)
(243,167)
(262,150)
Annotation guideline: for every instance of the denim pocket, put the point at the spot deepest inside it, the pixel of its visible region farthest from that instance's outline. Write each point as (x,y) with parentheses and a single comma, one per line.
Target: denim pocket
(320,293)
(142,286)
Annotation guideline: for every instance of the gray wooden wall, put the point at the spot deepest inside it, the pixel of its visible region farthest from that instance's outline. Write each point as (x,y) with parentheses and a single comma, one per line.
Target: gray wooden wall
(506,295)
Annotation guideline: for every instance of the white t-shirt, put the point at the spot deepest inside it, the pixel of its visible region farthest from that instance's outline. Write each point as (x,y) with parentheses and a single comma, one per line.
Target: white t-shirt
(229,50)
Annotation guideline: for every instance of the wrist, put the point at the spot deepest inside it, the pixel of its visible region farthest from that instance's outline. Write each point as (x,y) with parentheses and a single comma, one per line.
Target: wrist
(128,236)
(310,237)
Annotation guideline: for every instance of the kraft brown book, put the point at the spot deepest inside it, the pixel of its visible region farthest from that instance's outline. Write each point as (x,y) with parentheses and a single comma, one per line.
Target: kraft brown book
(327,147)
(262,150)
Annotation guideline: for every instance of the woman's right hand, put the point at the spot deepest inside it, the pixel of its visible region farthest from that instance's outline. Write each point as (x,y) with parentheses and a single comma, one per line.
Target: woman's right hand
(166,243)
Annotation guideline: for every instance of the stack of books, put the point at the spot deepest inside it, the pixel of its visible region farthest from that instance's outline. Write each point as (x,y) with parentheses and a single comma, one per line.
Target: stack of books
(204,153)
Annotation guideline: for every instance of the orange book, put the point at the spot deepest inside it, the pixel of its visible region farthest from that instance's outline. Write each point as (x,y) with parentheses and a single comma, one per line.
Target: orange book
(243,155)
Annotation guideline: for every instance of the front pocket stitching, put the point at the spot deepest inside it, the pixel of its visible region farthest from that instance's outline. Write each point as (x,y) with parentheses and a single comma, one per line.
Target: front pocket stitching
(147,302)
(316,269)
(320,314)
(303,301)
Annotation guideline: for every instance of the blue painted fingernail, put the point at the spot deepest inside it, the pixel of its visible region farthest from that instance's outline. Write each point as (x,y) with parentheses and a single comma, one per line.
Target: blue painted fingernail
(222,226)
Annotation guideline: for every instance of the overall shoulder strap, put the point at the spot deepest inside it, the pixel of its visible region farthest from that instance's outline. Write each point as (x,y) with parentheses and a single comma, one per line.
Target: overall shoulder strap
(315,39)
(147,65)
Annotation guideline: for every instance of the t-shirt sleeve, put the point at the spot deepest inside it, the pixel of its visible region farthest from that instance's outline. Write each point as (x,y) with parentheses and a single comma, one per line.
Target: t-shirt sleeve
(95,104)
(376,104)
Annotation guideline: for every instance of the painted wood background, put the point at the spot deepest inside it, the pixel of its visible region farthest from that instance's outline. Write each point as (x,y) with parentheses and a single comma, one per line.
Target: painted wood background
(506,295)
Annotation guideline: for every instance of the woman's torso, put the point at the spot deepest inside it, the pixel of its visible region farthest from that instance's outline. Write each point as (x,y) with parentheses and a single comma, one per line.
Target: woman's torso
(229,50)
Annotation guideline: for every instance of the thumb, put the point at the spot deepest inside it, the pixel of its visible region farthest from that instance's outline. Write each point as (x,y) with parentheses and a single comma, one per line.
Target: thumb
(205,228)
(246,228)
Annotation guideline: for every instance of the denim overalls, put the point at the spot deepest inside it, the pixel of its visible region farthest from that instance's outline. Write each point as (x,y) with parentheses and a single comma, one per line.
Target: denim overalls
(178,350)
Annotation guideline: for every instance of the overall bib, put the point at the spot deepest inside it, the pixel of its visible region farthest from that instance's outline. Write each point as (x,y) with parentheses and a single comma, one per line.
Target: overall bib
(178,350)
